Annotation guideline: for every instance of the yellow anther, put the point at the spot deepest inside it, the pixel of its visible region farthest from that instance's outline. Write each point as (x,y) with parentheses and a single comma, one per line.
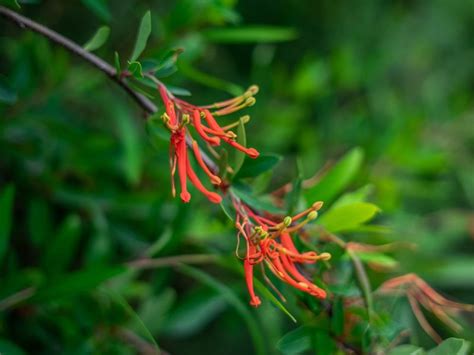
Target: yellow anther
(253,89)
(231,135)
(165,117)
(287,221)
(312,215)
(250,101)
(324,256)
(317,205)
(185,119)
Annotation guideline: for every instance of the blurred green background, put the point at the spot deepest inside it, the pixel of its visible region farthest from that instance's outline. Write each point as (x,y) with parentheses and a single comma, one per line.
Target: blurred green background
(90,192)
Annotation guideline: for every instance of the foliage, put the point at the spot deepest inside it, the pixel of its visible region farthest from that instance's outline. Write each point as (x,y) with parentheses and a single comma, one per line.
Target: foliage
(93,247)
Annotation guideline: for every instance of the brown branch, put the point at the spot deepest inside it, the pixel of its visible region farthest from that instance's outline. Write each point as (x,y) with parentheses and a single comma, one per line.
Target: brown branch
(148,106)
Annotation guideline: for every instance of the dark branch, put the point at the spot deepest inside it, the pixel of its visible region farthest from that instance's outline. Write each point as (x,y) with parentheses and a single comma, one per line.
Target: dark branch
(106,68)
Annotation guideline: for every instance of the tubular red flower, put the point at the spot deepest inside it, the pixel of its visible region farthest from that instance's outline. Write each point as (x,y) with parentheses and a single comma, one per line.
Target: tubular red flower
(212,196)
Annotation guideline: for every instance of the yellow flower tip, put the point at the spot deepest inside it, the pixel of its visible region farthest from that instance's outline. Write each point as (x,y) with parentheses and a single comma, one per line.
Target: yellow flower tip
(312,215)
(250,101)
(287,221)
(230,135)
(185,118)
(245,119)
(317,205)
(216,180)
(303,284)
(253,89)
(165,118)
(324,256)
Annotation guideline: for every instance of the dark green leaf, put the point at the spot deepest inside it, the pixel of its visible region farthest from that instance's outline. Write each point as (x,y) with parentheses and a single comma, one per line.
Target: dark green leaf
(256,202)
(99,8)
(337,319)
(251,34)
(6,218)
(254,167)
(62,247)
(337,178)
(295,342)
(118,68)
(77,283)
(7,94)
(143,33)
(98,40)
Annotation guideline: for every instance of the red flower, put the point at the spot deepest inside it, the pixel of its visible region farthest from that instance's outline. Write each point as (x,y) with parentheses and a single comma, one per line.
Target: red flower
(270,242)
(179,116)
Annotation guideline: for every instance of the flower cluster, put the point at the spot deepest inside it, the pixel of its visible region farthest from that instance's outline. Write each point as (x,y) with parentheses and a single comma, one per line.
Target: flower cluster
(179,116)
(270,242)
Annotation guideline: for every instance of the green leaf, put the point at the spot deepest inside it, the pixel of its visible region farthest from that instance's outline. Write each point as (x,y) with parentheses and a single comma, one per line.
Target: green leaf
(9,348)
(6,218)
(295,342)
(61,249)
(99,8)
(407,349)
(348,217)
(269,296)
(77,283)
(132,158)
(7,94)
(250,34)
(118,68)
(234,301)
(156,132)
(98,40)
(254,167)
(376,258)
(12,3)
(178,91)
(203,78)
(337,318)
(451,346)
(135,68)
(194,312)
(337,178)
(143,33)
(257,203)
(238,156)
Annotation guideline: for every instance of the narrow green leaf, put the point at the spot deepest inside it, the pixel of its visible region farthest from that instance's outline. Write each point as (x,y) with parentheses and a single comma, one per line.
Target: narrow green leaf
(61,249)
(12,3)
(143,33)
(118,68)
(203,78)
(257,203)
(234,301)
(376,258)
(6,218)
(337,178)
(178,91)
(295,342)
(98,40)
(348,217)
(99,8)
(451,346)
(250,34)
(337,319)
(269,296)
(254,167)
(77,283)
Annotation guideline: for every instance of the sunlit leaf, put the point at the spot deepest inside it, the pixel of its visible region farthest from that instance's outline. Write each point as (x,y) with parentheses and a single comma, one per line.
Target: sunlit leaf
(348,217)
(251,34)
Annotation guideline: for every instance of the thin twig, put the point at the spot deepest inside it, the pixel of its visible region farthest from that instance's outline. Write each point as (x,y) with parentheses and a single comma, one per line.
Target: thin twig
(16,298)
(149,107)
